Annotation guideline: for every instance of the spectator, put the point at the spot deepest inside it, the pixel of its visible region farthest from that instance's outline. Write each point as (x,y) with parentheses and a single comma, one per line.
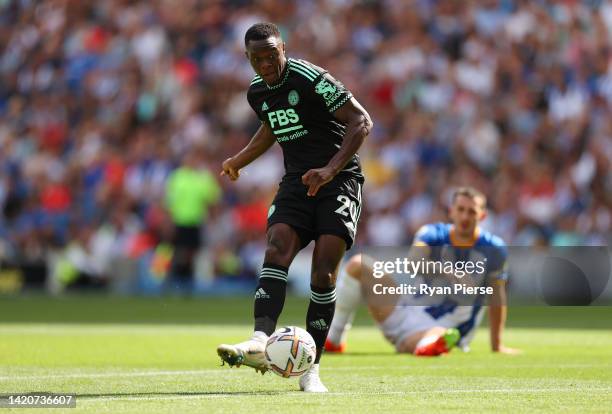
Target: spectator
(100,100)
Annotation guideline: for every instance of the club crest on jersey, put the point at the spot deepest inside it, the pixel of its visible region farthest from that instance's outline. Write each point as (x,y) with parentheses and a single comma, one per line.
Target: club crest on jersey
(264,107)
(293,98)
(325,88)
(328,90)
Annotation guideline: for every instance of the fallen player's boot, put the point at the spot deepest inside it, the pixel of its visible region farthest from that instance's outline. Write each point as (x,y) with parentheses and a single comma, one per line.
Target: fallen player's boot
(442,345)
(334,348)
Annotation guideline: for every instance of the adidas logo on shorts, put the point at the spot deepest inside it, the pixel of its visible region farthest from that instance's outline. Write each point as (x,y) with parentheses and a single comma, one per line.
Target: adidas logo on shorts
(261,294)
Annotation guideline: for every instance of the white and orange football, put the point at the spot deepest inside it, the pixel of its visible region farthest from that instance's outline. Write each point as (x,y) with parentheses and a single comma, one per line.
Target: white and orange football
(290,351)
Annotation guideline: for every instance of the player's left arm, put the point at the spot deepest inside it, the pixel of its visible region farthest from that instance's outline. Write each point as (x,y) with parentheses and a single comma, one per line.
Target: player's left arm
(358,126)
(498,311)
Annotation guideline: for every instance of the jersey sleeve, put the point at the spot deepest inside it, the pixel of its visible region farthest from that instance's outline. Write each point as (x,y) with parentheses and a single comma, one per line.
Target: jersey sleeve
(497,263)
(427,235)
(254,107)
(331,92)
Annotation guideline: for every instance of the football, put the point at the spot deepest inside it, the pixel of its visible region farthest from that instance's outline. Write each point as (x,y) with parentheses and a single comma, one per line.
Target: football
(290,351)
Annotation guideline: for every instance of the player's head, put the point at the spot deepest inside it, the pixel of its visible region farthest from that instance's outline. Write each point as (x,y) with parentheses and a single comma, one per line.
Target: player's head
(265,50)
(468,208)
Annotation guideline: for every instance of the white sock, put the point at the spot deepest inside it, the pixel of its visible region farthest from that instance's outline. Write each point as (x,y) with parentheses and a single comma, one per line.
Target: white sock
(348,297)
(259,336)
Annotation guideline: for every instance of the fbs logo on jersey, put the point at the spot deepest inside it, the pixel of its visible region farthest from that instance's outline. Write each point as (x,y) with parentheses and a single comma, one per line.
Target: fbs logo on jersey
(261,294)
(264,107)
(319,324)
(282,118)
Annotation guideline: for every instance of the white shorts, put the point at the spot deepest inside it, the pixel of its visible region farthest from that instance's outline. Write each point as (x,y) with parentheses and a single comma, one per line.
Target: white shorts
(405,321)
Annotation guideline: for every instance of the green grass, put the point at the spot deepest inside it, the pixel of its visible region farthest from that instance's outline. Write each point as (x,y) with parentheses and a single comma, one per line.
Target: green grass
(124,355)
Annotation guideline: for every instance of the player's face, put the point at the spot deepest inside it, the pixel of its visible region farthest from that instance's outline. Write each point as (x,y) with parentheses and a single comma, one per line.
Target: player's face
(465,214)
(267,58)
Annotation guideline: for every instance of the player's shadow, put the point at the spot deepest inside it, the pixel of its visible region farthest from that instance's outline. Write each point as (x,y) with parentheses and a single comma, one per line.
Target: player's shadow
(176,394)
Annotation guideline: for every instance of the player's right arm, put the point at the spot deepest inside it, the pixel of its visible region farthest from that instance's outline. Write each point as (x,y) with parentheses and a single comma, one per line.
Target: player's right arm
(260,143)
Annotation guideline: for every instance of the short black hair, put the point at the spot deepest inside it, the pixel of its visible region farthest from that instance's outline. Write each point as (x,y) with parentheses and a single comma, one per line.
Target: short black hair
(261,31)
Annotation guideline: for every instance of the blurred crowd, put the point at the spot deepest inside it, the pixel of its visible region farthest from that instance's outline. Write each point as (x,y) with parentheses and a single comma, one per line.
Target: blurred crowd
(101,100)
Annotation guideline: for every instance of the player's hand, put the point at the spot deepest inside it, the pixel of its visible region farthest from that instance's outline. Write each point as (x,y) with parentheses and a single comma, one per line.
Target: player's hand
(316,178)
(228,168)
(508,351)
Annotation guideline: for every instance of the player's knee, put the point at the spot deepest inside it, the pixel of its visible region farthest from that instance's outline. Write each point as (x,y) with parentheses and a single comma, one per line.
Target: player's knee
(281,248)
(277,253)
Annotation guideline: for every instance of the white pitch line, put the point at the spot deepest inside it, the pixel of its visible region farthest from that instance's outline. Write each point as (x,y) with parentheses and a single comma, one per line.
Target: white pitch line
(477,366)
(341,394)
(223,371)
(104,329)
(113,374)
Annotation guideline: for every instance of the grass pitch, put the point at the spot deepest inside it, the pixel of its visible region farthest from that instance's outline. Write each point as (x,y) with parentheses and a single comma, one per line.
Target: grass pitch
(158,356)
